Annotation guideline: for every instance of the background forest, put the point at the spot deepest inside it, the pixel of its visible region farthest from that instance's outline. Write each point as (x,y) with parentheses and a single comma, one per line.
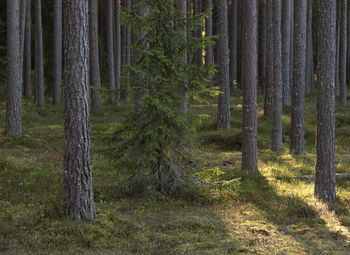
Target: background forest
(174,127)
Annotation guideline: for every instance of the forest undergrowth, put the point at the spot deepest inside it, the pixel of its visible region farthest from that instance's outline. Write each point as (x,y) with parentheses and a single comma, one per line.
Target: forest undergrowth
(231,213)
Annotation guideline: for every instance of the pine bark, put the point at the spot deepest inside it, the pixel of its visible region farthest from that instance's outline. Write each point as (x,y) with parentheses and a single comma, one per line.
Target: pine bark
(22,25)
(39,57)
(309,84)
(95,80)
(233,41)
(14,96)
(223,80)
(209,33)
(262,59)
(342,52)
(198,55)
(325,164)
(249,85)
(338,52)
(268,103)
(110,48)
(286,50)
(28,53)
(78,203)
(277,77)
(57,53)
(128,53)
(117,52)
(297,145)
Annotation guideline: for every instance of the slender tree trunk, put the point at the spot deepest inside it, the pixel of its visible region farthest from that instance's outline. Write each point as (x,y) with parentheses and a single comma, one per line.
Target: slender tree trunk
(96,100)
(14,96)
(233,41)
(117,60)
(223,79)
(128,52)
(22,25)
(297,145)
(268,104)
(286,49)
(249,85)
(27,53)
(110,50)
(78,203)
(309,84)
(57,53)
(198,56)
(342,51)
(348,50)
(209,33)
(39,57)
(277,77)
(262,59)
(325,164)
(338,51)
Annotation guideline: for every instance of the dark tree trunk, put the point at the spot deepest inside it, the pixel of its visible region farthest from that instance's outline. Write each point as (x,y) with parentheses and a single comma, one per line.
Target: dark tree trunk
(14,97)
(338,51)
(117,52)
(262,59)
(223,80)
(342,51)
(110,50)
(233,41)
(28,53)
(22,25)
(325,164)
(249,84)
(309,81)
(209,33)
(277,77)
(297,145)
(96,100)
(286,49)
(128,52)
(57,52)
(78,203)
(268,104)
(348,50)
(39,57)
(198,55)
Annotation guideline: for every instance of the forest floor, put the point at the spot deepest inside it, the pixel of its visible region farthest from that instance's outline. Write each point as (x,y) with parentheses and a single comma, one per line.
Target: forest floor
(235,214)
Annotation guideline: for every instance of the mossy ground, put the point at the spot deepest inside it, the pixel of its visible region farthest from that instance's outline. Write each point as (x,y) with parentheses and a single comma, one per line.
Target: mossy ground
(235,214)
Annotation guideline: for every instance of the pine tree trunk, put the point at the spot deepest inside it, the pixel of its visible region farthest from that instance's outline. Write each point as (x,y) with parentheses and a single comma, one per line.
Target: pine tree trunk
(117,53)
(198,56)
(249,85)
(309,84)
(338,51)
(223,80)
(110,50)
(14,96)
(277,77)
(297,145)
(268,104)
(128,52)
(22,25)
(39,57)
(78,203)
(209,33)
(28,53)
(348,50)
(286,49)
(262,59)
(342,51)
(233,41)
(96,100)
(325,164)
(57,53)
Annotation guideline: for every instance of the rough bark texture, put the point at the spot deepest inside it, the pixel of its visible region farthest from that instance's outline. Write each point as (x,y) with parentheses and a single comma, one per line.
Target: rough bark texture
(96,100)
(233,40)
(338,50)
(325,164)
(39,57)
(309,80)
(223,80)
(14,97)
(209,33)
(297,145)
(198,55)
(128,53)
(348,51)
(22,25)
(249,85)
(117,48)
(277,77)
(268,104)
(342,51)
(57,52)
(286,49)
(262,59)
(28,53)
(78,203)
(110,50)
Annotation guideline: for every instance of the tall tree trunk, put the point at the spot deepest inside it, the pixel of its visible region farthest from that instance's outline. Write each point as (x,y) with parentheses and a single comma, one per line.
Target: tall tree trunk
(342,51)
(57,53)
(39,57)
(309,84)
(338,51)
(78,203)
(297,145)
(249,85)
(262,59)
(198,56)
(325,164)
(28,53)
(348,50)
(128,52)
(14,96)
(117,52)
(277,77)
(110,50)
(22,25)
(223,80)
(233,41)
(268,104)
(286,49)
(96,100)
(209,33)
